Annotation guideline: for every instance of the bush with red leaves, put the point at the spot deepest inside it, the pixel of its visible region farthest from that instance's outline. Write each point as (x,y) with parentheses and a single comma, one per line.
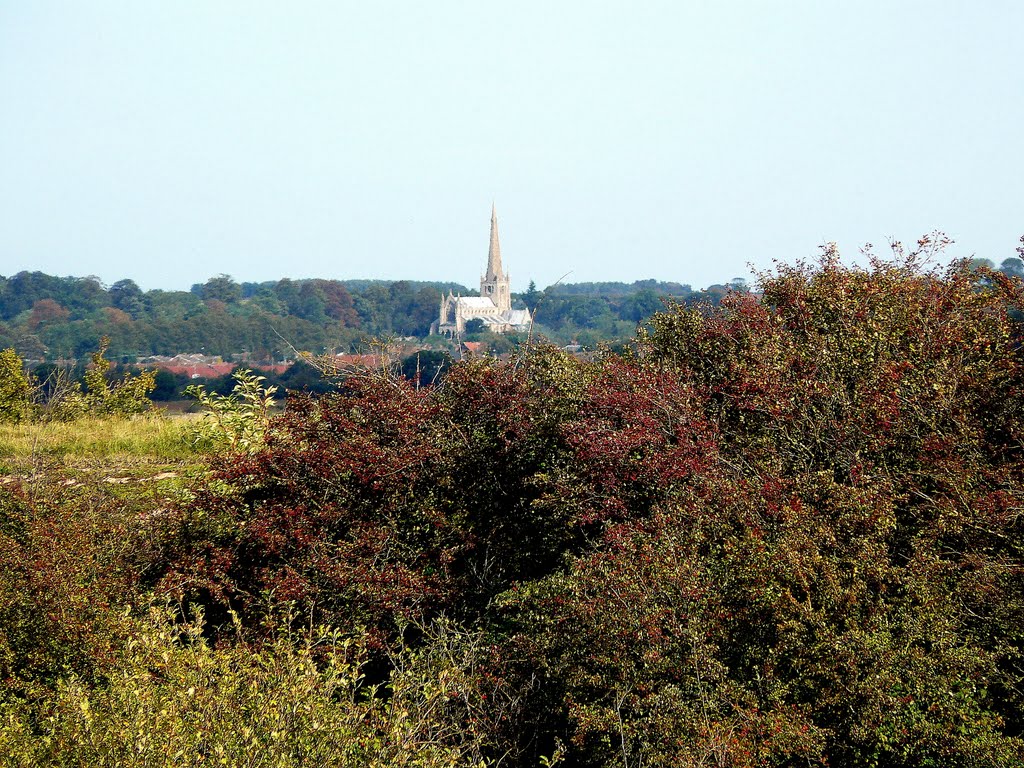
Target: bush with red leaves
(784,530)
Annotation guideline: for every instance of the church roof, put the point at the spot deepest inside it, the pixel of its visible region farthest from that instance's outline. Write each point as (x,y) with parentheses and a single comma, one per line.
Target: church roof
(476,302)
(519,318)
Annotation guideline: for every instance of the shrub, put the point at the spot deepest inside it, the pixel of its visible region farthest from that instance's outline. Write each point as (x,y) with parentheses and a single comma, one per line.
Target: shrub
(785,530)
(385,502)
(126,397)
(67,555)
(238,421)
(15,388)
(176,700)
(813,544)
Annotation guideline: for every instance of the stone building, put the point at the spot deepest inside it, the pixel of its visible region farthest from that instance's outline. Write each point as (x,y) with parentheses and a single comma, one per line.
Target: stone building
(493,306)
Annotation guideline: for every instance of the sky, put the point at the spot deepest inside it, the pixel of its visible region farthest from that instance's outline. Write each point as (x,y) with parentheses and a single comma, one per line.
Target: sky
(619,140)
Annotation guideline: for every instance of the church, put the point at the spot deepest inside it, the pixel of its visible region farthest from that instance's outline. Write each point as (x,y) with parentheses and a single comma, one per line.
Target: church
(493,306)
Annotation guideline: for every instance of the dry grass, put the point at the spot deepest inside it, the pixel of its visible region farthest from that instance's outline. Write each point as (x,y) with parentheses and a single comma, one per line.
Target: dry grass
(142,443)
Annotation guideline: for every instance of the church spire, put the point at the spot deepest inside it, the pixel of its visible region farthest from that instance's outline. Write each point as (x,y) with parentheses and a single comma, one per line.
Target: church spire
(494,252)
(495,283)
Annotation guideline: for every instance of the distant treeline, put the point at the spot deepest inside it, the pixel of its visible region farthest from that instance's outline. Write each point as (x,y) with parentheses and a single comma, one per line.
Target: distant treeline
(589,313)
(621,289)
(45,317)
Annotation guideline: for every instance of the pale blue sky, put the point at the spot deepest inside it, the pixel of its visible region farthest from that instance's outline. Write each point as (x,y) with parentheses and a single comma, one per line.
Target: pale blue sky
(171,141)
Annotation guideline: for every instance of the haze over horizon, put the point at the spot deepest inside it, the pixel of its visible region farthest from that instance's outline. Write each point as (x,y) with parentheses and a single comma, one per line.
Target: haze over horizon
(620,141)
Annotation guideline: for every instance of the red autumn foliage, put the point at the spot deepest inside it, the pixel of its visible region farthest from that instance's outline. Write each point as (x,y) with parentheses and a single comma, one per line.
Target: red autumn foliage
(785,530)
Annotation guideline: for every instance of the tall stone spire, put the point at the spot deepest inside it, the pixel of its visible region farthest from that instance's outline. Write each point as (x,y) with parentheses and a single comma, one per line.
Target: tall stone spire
(495,284)
(494,252)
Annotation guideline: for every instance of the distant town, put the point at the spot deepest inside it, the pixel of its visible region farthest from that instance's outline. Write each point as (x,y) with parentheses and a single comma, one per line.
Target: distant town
(221,324)
(208,331)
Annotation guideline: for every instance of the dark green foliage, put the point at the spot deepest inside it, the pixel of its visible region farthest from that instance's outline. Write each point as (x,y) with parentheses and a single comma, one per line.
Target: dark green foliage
(220,288)
(302,377)
(128,297)
(168,386)
(531,297)
(609,311)
(426,368)
(620,289)
(475,326)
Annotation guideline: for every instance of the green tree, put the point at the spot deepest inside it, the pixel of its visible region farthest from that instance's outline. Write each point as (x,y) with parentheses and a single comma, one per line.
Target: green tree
(641,305)
(126,397)
(15,388)
(427,367)
(532,296)
(1012,267)
(220,288)
(128,297)
(166,386)
(475,326)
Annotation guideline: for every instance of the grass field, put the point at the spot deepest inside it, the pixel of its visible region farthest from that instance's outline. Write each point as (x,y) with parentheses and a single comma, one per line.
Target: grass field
(138,446)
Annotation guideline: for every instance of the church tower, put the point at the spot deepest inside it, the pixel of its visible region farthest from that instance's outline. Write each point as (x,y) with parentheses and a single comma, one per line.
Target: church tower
(495,283)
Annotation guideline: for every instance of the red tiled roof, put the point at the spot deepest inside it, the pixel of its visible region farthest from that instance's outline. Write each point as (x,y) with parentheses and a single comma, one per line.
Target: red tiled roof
(203,370)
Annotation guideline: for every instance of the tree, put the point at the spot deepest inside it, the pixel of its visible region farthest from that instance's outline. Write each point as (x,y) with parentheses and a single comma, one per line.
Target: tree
(739,284)
(311,303)
(167,386)
(1012,267)
(793,490)
(423,310)
(15,388)
(532,297)
(426,368)
(475,326)
(338,303)
(590,312)
(126,296)
(303,377)
(641,305)
(47,312)
(373,305)
(220,288)
(126,397)
(85,294)
(26,288)
(237,421)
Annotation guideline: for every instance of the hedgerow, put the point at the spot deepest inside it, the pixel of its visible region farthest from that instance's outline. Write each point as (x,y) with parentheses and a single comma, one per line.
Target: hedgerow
(784,530)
